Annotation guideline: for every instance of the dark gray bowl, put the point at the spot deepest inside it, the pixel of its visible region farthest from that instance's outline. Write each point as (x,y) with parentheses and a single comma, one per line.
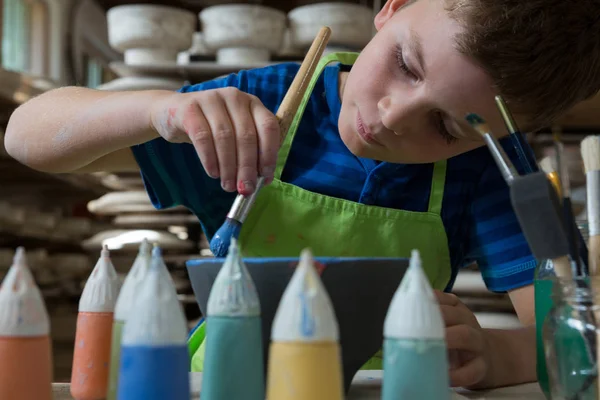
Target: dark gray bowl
(361,290)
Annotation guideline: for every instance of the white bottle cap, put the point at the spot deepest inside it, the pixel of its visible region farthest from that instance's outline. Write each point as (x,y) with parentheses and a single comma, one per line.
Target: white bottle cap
(305,312)
(22,309)
(233,293)
(414,311)
(102,287)
(132,283)
(158,318)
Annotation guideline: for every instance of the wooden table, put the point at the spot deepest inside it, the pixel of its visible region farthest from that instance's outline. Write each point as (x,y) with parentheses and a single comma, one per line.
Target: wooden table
(367,386)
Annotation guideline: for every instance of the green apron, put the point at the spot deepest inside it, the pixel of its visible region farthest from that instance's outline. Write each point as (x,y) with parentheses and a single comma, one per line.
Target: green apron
(286,219)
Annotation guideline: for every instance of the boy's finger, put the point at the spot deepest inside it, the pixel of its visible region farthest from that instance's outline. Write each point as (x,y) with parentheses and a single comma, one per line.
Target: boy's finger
(198,130)
(454,315)
(269,138)
(223,136)
(449,299)
(246,145)
(464,337)
(469,374)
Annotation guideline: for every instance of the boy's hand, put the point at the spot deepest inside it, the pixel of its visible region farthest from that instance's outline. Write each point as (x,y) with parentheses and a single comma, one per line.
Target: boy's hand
(236,137)
(467,345)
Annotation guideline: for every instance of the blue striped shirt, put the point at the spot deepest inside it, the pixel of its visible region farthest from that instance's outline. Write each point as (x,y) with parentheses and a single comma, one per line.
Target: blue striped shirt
(476,211)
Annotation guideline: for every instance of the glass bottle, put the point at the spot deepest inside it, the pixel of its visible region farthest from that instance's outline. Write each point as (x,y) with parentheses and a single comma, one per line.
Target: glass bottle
(570,339)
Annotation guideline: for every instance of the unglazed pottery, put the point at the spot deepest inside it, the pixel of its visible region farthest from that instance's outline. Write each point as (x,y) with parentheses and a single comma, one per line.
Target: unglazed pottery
(351,24)
(243,25)
(141,83)
(150,33)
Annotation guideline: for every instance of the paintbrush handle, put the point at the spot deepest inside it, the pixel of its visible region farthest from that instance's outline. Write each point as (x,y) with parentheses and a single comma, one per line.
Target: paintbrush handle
(285,114)
(507,169)
(291,102)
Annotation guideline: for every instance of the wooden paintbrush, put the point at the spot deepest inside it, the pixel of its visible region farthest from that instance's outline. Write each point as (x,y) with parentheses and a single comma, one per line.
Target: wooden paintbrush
(565,184)
(285,115)
(547,165)
(590,152)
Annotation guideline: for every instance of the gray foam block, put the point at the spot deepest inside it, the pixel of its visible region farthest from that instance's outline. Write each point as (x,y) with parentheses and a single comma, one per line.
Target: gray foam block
(540,215)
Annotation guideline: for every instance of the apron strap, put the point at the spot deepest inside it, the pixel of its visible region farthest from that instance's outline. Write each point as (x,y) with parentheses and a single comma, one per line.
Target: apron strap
(284,151)
(438,182)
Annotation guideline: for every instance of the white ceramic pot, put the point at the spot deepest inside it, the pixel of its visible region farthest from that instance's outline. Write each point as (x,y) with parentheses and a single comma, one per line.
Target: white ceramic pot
(242,56)
(150,33)
(243,25)
(351,24)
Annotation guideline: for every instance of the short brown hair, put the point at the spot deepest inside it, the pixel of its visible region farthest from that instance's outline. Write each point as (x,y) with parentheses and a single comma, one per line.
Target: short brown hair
(543,55)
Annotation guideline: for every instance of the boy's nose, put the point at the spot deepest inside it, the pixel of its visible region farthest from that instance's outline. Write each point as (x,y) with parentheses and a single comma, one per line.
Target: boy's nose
(399,116)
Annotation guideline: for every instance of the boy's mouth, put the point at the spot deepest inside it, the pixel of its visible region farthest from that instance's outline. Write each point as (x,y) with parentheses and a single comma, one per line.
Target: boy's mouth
(364,132)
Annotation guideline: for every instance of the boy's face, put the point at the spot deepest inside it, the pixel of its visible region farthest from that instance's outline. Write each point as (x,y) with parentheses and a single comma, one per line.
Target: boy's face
(406,96)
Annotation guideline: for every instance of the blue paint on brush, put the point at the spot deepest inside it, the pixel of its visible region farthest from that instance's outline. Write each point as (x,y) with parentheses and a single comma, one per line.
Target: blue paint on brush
(415,369)
(233,362)
(154,373)
(219,244)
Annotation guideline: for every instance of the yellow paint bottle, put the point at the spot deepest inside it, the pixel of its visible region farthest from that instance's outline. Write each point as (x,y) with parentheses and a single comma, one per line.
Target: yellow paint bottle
(305,357)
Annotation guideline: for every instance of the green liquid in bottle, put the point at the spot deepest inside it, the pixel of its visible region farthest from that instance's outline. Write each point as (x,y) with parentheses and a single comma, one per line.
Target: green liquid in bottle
(543,304)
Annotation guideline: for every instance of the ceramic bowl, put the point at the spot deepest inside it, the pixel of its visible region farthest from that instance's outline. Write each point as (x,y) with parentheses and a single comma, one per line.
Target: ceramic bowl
(243,25)
(360,289)
(150,33)
(351,24)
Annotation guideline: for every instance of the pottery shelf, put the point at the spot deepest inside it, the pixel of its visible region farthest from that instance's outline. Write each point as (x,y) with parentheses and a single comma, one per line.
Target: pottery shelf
(194,72)
(18,180)
(17,87)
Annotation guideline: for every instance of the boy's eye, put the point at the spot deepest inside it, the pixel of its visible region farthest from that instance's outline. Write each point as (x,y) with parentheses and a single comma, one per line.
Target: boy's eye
(442,130)
(402,64)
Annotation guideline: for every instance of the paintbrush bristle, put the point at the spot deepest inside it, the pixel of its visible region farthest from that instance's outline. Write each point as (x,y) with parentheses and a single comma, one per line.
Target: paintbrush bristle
(478,123)
(548,165)
(219,244)
(590,152)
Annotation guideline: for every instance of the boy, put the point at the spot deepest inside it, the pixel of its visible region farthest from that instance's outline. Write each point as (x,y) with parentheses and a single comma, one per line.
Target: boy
(403,104)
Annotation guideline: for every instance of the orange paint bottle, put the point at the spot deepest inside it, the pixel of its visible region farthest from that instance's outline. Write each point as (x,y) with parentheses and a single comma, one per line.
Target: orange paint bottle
(25,350)
(91,358)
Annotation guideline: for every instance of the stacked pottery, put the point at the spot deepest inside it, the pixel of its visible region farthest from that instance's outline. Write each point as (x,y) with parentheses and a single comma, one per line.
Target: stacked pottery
(150,34)
(351,25)
(243,34)
(198,52)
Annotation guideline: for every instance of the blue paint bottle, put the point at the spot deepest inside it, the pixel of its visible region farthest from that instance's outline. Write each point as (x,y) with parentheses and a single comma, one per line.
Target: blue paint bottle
(415,359)
(233,362)
(154,361)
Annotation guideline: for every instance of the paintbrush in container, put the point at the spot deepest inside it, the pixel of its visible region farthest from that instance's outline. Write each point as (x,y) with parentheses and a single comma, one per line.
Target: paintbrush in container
(286,112)
(536,205)
(590,152)
(547,165)
(523,150)
(525,154)
(567,205)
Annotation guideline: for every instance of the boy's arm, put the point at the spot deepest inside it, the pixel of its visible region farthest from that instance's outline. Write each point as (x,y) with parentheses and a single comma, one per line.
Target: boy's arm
(74,128)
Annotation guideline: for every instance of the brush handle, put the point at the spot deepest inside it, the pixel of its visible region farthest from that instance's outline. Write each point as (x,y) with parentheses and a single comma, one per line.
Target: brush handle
(285,114)
(293,97)
(593,216)
(507,169)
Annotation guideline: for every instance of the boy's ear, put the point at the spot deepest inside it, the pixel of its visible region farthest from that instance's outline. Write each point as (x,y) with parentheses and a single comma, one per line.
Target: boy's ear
(388,10)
